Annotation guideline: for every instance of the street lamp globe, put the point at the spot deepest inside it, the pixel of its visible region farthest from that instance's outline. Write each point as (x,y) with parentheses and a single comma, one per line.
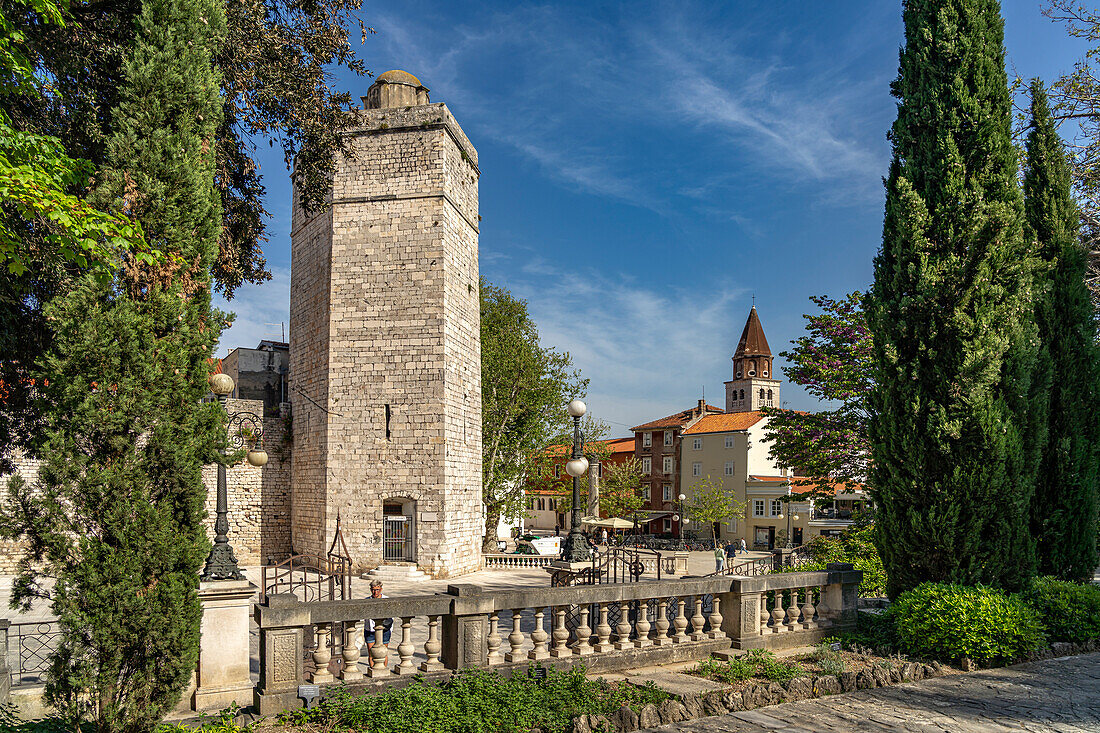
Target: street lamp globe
(794,517)
(577,408)
(675,517)
(683,497)
(221,384)
(577,467)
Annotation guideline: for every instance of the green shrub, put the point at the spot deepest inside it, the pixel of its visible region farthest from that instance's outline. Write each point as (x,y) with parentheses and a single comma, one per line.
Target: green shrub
(874,631)
(951,622)
(855,546)
(479,700)
(1070,611)
(828,660)
(770,668)
(729,672)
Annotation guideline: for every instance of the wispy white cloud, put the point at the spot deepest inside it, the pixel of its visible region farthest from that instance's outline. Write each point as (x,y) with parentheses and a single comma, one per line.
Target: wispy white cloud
(261,311)
(647,352)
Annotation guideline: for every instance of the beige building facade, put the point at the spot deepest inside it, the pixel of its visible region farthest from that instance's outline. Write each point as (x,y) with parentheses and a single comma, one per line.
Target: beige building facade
(385,373)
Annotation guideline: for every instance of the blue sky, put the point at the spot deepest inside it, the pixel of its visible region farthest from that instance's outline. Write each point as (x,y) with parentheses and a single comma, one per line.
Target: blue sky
(648,167)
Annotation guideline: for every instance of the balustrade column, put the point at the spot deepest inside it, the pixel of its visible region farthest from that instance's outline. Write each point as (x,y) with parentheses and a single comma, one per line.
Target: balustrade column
(350,652)
(697,620)
(561,634)
(603,632)
(778,614)
(642,625)
(405,649)
(765,616)
(680,622)
(584,634)
(793,610)
(822,608)
(378,651)
(432,647)
(493,640)
(622,630)
(322,656)
(716,619)
(808,609)
(662,637)
(539,636)
(515,639)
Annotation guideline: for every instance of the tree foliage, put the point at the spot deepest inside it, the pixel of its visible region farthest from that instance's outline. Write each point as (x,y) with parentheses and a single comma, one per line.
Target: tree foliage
(1064,509)
(710,502)
(1076,99)
(958,411)
(524,390)
(833,362)
(115,514)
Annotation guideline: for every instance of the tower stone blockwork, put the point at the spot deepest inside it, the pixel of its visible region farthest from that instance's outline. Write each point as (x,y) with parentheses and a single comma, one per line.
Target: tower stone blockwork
(385,373)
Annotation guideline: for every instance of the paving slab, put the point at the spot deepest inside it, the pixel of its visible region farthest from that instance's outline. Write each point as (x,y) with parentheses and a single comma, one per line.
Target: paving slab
(1052,695)
(677,684)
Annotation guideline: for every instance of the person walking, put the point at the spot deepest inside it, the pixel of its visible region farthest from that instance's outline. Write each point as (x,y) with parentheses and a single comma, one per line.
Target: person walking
(744,550)
(719,559)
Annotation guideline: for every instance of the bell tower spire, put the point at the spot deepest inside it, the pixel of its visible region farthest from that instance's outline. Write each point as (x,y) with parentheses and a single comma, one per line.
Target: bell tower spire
(753,385)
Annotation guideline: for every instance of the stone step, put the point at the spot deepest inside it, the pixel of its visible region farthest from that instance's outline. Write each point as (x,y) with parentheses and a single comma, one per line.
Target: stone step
(397,571)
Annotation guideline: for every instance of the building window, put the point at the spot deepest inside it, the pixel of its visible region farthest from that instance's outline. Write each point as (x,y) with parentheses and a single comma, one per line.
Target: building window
(697,469)
(697,444)
(668,464)
(668,525)
(542,504)
(669,436)
(557,470)
(769,396)
(553,505)
(531,504)
(666,492)
(761,394)
(777,507)
(647,465)
(729,468)
(758,507)
(742,395)
(647,440)
(645,493)
(729,441)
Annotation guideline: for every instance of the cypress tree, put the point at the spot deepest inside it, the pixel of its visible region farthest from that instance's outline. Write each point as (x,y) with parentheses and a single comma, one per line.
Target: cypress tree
(116,513)
(1064,509)
(958,409)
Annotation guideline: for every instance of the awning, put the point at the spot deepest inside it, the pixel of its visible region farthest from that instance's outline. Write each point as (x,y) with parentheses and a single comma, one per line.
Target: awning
(612,523)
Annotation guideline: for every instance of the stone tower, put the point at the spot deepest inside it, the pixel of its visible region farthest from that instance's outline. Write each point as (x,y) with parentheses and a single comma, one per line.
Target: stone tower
(753,385)
(385,374)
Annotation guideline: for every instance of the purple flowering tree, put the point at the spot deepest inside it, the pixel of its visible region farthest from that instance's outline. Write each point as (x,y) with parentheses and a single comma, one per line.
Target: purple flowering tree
(833,362)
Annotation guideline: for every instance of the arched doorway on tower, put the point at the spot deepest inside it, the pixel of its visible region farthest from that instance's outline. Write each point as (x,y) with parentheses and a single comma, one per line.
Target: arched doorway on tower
(399,530)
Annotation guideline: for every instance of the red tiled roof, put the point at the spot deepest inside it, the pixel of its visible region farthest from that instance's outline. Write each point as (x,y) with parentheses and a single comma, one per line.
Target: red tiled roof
(674,421)
(725,422)
(803,485)
(614,445)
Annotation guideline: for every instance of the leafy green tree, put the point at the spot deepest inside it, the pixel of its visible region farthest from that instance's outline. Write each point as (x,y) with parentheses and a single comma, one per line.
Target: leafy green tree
(524,391)
(959,408)
(709,502)
(115,516)
(621,488)
(833,362)
(1064,509)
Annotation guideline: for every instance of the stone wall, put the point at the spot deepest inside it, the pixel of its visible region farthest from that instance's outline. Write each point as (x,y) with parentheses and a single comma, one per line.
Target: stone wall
(385,345)
(259,499)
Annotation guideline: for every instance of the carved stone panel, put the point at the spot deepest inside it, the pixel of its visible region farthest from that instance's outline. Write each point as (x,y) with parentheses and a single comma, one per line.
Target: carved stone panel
(473,642)
(284,658)
(749,614)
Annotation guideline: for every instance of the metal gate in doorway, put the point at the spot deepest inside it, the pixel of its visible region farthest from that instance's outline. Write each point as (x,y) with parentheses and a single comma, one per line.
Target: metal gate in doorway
(398,539)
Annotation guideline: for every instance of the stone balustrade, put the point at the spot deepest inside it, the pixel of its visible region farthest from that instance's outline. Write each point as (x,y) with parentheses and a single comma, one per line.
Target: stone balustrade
(503,561)
(605,627)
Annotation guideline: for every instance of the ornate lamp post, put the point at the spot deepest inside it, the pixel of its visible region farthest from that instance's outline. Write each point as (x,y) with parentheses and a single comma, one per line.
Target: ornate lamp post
(243,427)
(789,546)
(576,548)
(681,518)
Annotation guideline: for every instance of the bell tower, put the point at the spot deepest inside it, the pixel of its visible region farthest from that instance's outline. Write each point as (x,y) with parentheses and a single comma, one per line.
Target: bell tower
(753,385)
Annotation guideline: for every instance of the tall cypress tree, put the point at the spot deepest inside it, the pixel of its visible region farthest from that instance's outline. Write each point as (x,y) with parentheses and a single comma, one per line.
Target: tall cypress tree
(116,514)
(958,411)
(1064,509)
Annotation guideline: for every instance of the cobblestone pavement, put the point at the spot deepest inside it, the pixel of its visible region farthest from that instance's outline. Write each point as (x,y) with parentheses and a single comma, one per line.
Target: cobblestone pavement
(1053,695)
